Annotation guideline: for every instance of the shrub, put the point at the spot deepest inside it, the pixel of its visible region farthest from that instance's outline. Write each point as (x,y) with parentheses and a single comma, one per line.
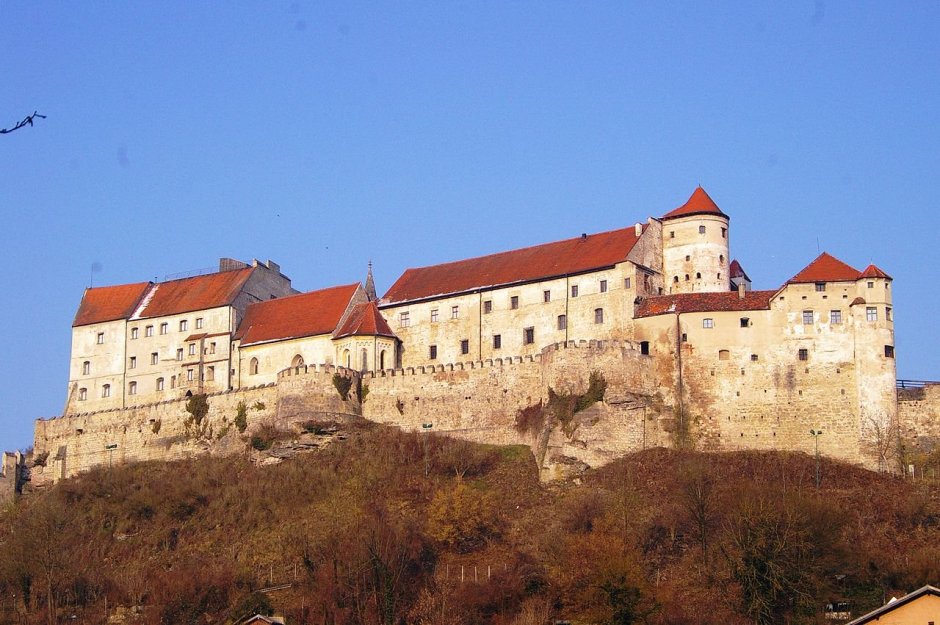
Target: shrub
(40,459)
(400,406)
(241,417)
(198,407)
(342,384)
(156,425)
(530,419)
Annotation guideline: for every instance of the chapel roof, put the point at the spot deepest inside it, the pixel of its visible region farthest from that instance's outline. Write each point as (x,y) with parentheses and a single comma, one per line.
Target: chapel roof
(197,293)
(295,316)
(549,260)
(871,271)
(826,268)
(364,320)
(109,303)
(704,302)
(699,203)
(737,271)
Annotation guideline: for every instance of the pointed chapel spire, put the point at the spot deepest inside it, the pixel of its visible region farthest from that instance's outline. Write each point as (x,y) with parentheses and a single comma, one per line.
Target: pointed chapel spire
(370,284)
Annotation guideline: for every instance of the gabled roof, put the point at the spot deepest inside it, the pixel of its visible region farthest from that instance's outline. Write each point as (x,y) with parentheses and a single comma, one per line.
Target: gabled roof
(894,604)
(704,302)
(364,320)
(197,293)
(871,271)
(826,268)
(737,271)
(571,256)
(295,316)
(109,303)
(698,204)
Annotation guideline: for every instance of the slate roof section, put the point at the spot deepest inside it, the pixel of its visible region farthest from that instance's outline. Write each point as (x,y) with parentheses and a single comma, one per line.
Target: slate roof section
(871,271)
(699,203)
(198,293)
(364,320)
(549,260)
(737,271)
(826,268)
(704,302)
(109,303)
(295,316)
(875,615)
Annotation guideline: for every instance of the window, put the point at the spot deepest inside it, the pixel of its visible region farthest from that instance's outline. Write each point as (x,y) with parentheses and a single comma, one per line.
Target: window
(86,368)
(154,358)
(132,388)
(888,313)
(724,233)
(598,315)
(132,364)
(82,394)
(645,348)
(173,381)
(807,317)
(871,313)
(546,296)
(135,332)
(820,287)
(403,320)
(528,336)
(148,331)
(835,316)
(100,338)
(179,354)
(626,283)
(685,337)
(745,322)
(672,234)
(212,347)
(455,312)
(721,258)
(106,390)
(497,341)
(192,349)
(562,322)
(210,374)
(514,302)
(465,347)
(675,278)
(603,286)
(701,229)
(708,323)
(164,327)
(754,358)
(189,375)
(698,276)
(432,352)
(434,315)
(803,354)
(487,307)
(184,325)
(159,384)
(574,290)
(253,367)
(686,277)
(198,323)
(889,351)
(687,258)
(724,354)
(871,285)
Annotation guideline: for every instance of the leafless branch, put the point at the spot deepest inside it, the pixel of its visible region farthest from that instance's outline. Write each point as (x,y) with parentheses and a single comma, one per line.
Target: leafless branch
(27,121)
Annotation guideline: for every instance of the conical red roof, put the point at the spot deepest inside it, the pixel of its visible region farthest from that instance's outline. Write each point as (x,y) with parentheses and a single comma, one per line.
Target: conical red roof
(698,204)
(871,271)
(826,268)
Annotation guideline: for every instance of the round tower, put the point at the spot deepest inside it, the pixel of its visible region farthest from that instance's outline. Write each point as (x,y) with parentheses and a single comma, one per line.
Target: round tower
(695,247)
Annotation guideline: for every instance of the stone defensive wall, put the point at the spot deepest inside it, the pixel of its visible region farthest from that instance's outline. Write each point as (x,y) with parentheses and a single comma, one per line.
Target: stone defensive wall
(919,417)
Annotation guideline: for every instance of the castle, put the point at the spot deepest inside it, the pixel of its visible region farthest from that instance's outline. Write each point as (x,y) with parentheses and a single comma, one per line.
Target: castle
(689,351)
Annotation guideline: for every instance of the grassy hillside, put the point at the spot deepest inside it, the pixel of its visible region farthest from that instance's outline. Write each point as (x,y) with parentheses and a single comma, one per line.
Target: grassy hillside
(387,527)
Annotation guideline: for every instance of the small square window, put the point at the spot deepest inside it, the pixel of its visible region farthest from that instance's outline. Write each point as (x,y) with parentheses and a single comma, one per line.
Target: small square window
(807,317)
(871,313)
(487,307)
(888,313)
(803,354)
(603,286)
(514,302)
(164,327)
(701,229)
(179,354)
(154,358)
(745,322)
(889,351)
(708,323)
(626,283)
(198,323)
(754,358)
(835,316)
(432,352)
(546,296)
(465,347)
(574,290)
(434,315)
(404,320)
(455,312)
(820,287)
(871,285)
(132,364)
(562,322)
(598,315)
(184,325)
(189,375)
(100,338)
(497,341)
(135,332)
(528,336)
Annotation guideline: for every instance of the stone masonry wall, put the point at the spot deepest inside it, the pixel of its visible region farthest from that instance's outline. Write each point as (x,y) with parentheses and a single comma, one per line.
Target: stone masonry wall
(919,417)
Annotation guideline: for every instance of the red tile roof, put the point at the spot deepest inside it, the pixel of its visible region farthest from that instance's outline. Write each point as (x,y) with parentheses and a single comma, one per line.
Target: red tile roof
(871,271)
(295,316)
(698,204)
(704,302)
(737,271)
(364,320)
(549,260)
(108,303)
(197,293)
(826,268)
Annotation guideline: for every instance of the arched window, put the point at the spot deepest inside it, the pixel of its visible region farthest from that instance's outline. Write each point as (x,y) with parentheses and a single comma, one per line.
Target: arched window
(173,382)
(686,277)
(675,278)
(253,367)
(86,368)
(159,384)
(82,394)
(364,358)
(347,359)
(724,354)
(698,276)
(210,374)
(382,360)
(298,361)
(132,388)
(106,390)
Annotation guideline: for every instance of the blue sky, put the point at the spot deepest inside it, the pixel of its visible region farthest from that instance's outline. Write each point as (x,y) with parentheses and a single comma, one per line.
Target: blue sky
(412,133)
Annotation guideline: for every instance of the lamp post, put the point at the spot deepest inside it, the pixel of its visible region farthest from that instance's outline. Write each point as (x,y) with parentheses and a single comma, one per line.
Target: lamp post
(815,434)
(426,427)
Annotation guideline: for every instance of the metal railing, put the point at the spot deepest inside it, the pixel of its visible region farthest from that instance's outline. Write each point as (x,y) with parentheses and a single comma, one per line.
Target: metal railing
(915,383)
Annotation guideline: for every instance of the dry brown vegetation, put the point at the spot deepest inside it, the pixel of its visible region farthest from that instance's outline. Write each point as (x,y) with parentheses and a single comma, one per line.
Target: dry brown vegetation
(389,527)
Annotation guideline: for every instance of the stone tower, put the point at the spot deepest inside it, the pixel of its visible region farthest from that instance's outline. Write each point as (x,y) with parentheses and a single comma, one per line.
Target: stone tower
(695,247)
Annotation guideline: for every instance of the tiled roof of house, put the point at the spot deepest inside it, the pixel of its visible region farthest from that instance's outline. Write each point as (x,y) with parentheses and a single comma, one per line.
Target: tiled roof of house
(108,303)
(826,268)
(364,320)
(197,293)
(737,271)
(698,204)
(871,271)
(875,615)
(549,260)
(295,316)
(704,302)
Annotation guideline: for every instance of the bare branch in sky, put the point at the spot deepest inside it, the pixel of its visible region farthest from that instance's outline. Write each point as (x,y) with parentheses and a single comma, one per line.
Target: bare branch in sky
(27,121)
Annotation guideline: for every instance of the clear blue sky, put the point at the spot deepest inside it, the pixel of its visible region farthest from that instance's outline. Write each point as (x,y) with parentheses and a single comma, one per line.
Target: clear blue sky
(412,133)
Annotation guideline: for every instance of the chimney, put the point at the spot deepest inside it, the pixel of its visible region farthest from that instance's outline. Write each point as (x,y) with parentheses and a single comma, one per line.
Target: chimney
(273,266)
(741,290)
(638,229)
